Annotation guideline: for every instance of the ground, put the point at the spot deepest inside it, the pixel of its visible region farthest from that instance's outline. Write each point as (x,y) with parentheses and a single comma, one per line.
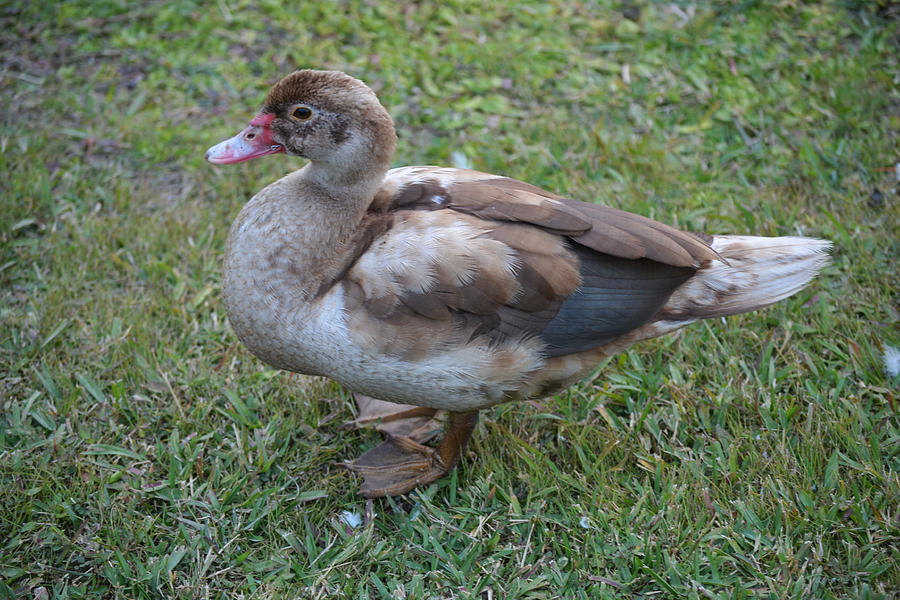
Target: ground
(144,453)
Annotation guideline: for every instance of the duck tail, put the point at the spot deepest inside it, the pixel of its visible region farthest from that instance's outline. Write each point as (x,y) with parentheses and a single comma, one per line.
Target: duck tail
(752,272)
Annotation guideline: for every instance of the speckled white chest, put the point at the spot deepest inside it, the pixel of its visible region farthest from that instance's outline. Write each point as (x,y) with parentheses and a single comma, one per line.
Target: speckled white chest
(313,338)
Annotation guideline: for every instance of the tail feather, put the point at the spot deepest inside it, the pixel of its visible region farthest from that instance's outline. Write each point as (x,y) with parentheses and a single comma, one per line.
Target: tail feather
(754,272)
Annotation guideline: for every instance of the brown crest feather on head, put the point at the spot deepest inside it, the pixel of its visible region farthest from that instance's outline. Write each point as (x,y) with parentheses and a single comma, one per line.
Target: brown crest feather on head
(323,89)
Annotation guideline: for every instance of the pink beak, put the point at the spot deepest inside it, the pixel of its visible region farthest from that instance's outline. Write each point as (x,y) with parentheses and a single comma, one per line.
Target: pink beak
(253,142)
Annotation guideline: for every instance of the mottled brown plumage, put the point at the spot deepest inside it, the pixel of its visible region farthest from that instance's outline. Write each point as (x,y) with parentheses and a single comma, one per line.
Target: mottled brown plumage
(454,289)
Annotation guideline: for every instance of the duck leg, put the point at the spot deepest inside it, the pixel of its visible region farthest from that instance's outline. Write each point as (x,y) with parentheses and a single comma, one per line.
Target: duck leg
(416,422)
(400,463)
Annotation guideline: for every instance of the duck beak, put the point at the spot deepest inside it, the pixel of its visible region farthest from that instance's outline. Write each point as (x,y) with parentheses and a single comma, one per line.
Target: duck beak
(253,142)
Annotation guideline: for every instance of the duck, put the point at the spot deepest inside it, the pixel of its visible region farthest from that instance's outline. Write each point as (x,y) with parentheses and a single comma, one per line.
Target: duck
(451,289)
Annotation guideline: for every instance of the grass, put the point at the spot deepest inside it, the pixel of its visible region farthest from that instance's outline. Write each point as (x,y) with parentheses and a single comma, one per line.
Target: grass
(144,453)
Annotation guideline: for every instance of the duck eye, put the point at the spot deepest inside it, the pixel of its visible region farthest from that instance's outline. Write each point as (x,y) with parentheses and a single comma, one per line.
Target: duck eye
(302,113)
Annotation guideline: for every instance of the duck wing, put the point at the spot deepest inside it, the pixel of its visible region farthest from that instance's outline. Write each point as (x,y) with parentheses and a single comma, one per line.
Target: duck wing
(495,257)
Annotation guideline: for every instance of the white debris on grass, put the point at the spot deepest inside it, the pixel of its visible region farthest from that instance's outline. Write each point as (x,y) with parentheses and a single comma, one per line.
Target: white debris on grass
(891,361)
(353,519)
(585,523)
(460,160)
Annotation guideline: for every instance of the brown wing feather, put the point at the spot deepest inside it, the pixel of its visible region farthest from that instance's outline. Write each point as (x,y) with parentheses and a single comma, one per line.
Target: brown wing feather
(656,241)
(506,203)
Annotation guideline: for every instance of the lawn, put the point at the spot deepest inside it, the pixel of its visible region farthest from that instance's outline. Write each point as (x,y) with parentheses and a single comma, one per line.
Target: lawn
(145,453)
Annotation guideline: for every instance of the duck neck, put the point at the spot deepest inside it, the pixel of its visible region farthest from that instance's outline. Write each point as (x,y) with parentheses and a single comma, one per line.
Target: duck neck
(335,200)
(343,187)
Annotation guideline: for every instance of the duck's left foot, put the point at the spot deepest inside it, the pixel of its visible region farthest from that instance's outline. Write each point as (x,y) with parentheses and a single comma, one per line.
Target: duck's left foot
(400,464)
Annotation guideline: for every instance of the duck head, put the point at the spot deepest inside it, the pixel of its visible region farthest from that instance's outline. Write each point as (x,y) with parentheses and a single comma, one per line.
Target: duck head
(327,117)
